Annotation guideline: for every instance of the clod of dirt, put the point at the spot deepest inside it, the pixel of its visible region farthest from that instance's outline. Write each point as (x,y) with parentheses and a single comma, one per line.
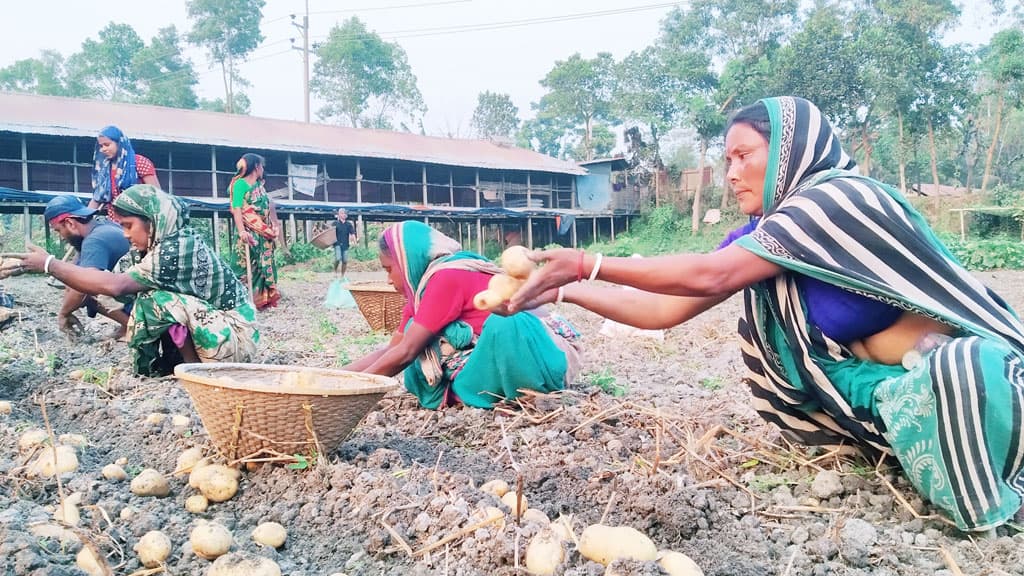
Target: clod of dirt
(827,484)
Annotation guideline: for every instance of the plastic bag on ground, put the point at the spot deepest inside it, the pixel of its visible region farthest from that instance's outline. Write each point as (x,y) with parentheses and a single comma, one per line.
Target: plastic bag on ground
(338,296)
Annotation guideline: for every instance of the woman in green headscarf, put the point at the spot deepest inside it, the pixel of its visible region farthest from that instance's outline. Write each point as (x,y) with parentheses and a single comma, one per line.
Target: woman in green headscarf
(860,328)
(188,305)
(450,351)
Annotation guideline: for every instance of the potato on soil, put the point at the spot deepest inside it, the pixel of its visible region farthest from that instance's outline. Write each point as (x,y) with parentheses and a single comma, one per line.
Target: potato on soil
(188,459)
(678,564)
(114,473)
(149,482)
(243,564)
(604,544)
(31,438)
(516,261)
(67,511)
(5,407)
(217,482)
(196,504)
(89,562)
(53,461)
(155,418)
(488,513)
(544,553)
(153,548)
(535,516)
(517,505)
(496,487)
(210,540)
(270,534)
(75,440)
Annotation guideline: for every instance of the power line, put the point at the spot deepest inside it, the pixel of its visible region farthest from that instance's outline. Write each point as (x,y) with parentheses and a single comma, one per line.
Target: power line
(374,9)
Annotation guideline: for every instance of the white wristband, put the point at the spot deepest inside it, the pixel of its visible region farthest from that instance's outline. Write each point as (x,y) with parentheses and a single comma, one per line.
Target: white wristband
(46,266)
(561,295)
(596,268)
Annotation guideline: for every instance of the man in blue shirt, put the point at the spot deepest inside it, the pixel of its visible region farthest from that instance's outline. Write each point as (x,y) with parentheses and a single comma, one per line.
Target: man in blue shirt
(100,244)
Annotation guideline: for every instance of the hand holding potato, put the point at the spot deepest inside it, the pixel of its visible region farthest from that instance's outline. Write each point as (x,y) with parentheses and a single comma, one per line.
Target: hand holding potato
(561,267)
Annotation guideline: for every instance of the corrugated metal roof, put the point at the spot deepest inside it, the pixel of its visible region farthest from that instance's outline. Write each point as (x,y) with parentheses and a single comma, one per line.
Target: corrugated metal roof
(53,115)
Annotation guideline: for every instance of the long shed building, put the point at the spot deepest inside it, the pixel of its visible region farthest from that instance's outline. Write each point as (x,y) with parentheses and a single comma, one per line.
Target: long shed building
(474,187)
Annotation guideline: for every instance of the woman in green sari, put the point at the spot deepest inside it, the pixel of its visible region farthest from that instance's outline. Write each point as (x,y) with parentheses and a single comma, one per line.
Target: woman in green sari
(254,217)
(188,306)
(860,327)
(451,352)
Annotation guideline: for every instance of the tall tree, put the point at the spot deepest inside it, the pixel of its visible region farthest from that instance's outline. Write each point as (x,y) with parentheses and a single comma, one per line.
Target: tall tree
(495,115)
(104,66)
(580,93)
(542,134)
(43,75)
(1004,65)
(363,80)
(229,30)
(647,96)
(165,76)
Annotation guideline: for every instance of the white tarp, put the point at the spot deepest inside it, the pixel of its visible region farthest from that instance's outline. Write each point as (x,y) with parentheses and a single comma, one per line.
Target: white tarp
(303,178)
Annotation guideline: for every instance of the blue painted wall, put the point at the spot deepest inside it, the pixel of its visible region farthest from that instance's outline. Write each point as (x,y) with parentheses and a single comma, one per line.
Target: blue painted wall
(594,191)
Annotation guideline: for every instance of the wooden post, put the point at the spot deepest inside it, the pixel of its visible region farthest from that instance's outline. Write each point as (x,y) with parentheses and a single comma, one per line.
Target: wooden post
(326,180)
(392,183)
(170,173)
(572,197)
(529,194)
(24,164)
(594,223)
(611,220)
(291,196)
(26,221)
(74,176)
(963,226)
(574,233)
(366,241)
(479,237)
(213,187)
(529,231)
(425,203)
(359,186)
(451,189)
(477,188)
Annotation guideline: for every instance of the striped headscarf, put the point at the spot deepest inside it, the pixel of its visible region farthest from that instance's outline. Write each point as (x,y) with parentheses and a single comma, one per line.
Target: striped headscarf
(178,259)
(824,220)
(125,173)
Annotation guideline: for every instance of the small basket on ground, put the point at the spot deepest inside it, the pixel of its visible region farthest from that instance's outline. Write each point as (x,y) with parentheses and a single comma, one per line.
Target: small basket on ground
(379,303)
(325,238)
(264,410)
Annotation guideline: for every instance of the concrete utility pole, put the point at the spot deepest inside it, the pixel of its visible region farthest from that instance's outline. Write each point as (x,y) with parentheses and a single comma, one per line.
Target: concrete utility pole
(304,29)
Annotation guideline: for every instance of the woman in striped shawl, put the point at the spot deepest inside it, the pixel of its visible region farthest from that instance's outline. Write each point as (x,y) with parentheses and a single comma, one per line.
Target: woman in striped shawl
(860,327)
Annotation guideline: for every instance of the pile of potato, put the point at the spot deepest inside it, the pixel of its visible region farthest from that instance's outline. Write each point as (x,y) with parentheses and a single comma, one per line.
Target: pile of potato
(546,551)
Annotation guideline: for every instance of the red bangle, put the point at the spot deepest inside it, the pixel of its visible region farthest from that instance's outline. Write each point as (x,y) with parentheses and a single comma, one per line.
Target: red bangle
(579,269)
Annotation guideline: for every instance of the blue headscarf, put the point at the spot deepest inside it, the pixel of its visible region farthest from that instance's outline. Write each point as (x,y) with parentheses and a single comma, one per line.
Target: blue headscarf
(124,166)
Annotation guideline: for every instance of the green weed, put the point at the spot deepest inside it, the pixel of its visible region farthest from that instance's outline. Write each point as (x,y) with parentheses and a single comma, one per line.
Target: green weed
(607,382)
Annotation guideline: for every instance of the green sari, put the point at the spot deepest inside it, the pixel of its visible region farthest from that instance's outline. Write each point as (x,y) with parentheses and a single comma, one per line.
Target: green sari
(954,419)
(530,350)
(187,285)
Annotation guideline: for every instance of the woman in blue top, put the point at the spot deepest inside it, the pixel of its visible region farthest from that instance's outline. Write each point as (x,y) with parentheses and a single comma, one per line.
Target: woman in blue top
(860,327)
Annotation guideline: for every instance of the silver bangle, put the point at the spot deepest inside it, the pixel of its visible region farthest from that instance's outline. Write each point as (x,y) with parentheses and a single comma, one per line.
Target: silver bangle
(561,295)
(46,265)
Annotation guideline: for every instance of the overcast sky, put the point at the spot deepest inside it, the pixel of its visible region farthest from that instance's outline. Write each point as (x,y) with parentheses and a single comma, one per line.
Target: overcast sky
(452,66)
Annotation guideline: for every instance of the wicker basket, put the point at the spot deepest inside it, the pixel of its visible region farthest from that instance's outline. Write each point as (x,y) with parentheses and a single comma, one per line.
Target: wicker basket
(251,409)
(379,304)
(325,238)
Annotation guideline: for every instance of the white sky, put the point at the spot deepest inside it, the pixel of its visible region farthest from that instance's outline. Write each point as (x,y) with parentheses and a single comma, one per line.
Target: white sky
(451,67)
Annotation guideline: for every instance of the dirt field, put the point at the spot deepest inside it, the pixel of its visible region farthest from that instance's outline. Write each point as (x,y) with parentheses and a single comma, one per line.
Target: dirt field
(657,435)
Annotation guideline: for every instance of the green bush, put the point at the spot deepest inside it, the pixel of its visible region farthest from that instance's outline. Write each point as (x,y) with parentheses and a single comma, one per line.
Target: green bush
(994,253)
(664,230)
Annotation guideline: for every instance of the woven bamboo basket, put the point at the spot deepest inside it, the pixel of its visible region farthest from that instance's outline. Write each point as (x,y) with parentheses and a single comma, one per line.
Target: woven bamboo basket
(325,238)
(379,303)
(251,409)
